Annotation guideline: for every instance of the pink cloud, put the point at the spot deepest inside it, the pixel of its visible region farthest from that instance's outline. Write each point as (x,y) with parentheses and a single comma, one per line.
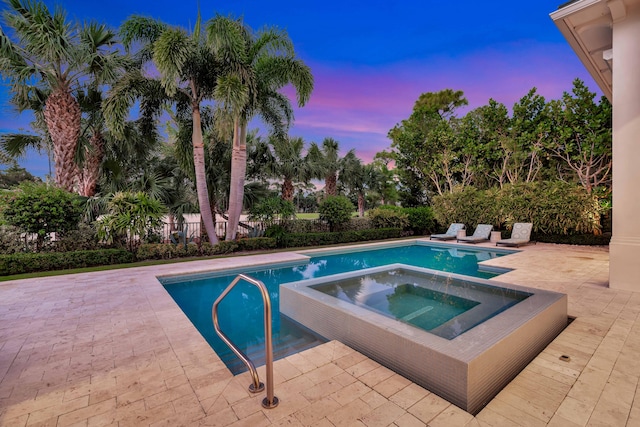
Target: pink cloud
(359,105)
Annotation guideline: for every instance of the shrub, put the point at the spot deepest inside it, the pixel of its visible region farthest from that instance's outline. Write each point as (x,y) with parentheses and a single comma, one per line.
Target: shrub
(271,209)
(85,238)
(469,206)
(258,243)
(554,207)
(317,239)
(336,211)
(421,220)
(357,224)
(41,209)
(388,218)
(574,239)
(132,217)
(34,262)
(276,232)
(305,226)
(12,240)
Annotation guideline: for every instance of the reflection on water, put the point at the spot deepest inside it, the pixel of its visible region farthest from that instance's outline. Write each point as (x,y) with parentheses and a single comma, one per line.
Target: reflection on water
(441,305)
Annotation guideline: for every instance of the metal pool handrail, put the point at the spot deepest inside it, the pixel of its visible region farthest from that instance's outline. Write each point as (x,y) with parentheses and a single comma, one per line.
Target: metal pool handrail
(256,387)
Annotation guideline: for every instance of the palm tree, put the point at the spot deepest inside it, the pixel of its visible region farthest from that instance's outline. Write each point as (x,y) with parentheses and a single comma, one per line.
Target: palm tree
(56,55)
(92,141)
(289,165)
(257,67)
(188,74)
(359,178)
(325,163)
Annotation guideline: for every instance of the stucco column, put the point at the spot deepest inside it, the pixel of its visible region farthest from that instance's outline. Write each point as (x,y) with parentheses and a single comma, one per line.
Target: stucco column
(624,250)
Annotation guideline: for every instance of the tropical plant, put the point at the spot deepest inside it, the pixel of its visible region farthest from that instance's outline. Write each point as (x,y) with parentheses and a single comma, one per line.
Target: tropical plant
(289,165)
(188,75)
(41,209)
(132,218)
(325,164)
(258,66)
(360,179)
(271,209)
(56,55)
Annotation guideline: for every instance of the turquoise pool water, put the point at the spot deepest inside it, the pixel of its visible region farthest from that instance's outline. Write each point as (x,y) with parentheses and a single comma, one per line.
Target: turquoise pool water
(442,305)
(241,311)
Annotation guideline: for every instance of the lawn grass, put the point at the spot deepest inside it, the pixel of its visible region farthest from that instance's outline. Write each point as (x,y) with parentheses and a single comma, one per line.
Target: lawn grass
(316,215)
(308,215)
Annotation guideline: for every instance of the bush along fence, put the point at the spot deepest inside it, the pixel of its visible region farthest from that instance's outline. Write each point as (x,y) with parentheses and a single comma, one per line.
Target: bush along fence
(555,208)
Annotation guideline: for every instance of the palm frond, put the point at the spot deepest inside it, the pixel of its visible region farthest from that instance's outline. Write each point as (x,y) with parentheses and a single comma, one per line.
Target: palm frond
(231,92)
(140,29)
(172,50)
(271,41)
(227,37)
(17,144)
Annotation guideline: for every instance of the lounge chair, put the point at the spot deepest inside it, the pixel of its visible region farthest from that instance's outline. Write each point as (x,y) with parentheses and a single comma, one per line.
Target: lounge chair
(451,233)
(520,235)
(480,234)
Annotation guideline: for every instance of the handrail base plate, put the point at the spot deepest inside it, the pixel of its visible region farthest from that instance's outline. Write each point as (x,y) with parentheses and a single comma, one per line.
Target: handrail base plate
(253,389)
(269,405)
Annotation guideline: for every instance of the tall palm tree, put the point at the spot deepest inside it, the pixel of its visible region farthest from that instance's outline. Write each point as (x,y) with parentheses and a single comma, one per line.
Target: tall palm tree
(352,176)
(325,163)
(188,74)
(56,55)
(258,66)
(289,164)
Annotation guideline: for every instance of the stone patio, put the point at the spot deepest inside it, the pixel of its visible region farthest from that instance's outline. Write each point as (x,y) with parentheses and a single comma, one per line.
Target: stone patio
(113,349)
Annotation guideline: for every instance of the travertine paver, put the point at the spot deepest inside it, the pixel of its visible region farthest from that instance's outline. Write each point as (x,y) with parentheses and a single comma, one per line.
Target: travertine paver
(112,348)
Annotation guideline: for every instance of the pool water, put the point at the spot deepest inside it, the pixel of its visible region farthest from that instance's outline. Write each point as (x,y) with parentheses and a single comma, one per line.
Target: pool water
(431,302)
(241,312)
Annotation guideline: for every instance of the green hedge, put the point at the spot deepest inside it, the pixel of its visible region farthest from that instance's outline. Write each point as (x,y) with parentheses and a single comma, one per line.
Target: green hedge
(168,251)
(574,239)
(20,263)
(316,239)
(421,219)
(554,208)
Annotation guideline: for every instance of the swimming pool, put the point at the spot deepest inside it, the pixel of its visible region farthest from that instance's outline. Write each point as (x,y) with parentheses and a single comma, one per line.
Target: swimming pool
(240,314)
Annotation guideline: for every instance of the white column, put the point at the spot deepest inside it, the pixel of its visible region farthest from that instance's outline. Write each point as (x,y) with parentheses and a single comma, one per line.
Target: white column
(624,250)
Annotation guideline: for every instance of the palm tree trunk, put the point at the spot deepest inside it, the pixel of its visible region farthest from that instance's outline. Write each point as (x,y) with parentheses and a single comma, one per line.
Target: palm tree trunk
(361,204)
(62,115)
(91,169)
(287,189)
(201,177)
(330,187)
(238,169)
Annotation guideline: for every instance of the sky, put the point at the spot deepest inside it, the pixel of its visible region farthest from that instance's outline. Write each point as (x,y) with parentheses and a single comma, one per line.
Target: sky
(371,60)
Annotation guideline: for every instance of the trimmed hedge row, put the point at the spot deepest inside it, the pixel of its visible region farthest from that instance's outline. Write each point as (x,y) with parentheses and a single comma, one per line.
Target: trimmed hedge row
(20,263)
(554,207)
(313,239)
(574,239)
(167,251)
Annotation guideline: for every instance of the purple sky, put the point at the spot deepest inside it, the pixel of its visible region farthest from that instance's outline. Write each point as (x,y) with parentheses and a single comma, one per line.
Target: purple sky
(371,60)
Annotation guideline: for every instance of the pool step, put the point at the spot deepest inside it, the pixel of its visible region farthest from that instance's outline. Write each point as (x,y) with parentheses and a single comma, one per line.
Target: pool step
(417,313)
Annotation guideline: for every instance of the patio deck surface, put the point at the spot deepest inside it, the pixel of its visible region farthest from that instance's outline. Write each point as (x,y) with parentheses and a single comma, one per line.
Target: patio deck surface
(113,349)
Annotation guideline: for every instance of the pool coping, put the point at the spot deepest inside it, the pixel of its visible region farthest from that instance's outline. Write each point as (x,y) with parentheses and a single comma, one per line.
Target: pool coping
(468,376)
